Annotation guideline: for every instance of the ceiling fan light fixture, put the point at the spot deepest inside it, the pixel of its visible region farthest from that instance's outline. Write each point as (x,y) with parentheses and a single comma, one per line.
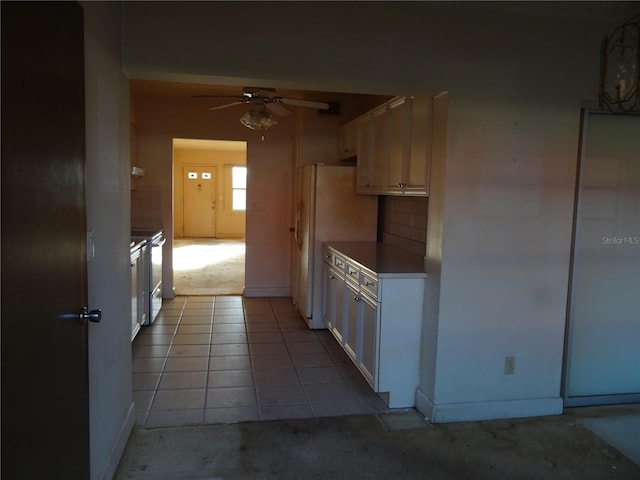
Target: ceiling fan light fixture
(257,119)
(265,103)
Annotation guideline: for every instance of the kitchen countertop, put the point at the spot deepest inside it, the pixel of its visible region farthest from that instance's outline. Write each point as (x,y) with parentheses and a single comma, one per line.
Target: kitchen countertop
(143,234)
(383,259)
(137,244)
(141,237)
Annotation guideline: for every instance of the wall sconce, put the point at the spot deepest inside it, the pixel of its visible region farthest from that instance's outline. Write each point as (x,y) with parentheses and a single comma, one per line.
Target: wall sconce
(620,69)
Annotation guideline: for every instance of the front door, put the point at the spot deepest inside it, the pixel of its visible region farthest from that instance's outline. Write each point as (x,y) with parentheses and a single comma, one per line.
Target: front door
(45,388)
(199,203)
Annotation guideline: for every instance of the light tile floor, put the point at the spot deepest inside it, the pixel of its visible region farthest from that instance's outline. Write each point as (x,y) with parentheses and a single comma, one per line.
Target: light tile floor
(226,359)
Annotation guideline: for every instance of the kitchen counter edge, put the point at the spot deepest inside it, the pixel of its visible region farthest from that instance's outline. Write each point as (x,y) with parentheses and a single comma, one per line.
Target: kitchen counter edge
(382,259)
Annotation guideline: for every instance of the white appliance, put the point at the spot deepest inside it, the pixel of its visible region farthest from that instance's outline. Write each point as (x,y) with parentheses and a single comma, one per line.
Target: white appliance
(328,209)
(152,259)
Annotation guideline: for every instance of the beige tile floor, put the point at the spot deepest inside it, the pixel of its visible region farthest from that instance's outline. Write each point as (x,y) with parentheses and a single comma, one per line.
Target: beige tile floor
(226,359)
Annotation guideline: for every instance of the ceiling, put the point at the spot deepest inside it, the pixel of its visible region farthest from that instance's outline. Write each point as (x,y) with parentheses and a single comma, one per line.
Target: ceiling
(357,103)
(153,88)
(185,90)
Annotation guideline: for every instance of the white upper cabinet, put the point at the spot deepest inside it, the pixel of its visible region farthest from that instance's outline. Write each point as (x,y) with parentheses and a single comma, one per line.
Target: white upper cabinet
(416,176)
(399,138)
(380,147)
(393,146)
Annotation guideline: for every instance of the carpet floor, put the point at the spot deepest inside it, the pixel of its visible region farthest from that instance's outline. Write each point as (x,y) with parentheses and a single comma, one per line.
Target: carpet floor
(208,266)
(383,447)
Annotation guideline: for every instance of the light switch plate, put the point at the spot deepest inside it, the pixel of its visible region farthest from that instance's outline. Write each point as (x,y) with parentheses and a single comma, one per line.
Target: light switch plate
(91,246)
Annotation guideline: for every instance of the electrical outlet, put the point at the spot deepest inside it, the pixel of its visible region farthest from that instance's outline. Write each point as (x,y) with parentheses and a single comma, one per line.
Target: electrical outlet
(509,365)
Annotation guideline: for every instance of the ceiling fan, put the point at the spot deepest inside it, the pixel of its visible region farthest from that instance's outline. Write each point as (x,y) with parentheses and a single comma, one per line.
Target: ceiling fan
(265,103)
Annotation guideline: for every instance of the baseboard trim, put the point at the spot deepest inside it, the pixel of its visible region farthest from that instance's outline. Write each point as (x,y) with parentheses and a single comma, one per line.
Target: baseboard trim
(113,460)
(424,404)
(490,410)
(267,292)
(230,236)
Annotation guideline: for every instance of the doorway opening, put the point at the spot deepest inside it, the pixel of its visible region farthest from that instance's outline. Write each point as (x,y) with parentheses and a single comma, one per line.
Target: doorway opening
(209,221)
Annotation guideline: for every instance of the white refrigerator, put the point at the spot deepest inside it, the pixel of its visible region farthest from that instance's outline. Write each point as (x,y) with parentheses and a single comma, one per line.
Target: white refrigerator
(328,209)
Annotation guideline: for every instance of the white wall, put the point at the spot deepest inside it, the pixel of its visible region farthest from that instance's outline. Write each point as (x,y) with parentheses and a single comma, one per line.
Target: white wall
(269,181)
(107,177)
(516,80)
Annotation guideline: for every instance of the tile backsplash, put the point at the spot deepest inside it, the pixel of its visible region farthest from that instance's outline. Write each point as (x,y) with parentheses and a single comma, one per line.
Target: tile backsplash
(146,207)
(402,222)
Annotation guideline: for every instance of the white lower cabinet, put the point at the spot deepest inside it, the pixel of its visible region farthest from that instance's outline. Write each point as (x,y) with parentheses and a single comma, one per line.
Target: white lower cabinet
(329,296)
(135,305)
(138,291)
(352,339)
(377,320)
(369,325)
(333,296)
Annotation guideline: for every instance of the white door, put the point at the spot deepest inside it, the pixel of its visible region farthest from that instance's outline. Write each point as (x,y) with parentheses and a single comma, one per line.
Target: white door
(199,189)
(603,356)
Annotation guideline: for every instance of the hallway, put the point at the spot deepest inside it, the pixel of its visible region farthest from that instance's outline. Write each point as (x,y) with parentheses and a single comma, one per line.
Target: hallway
(227,359)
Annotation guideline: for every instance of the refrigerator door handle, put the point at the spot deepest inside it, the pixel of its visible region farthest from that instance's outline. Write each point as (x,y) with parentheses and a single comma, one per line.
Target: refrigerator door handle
(298,237)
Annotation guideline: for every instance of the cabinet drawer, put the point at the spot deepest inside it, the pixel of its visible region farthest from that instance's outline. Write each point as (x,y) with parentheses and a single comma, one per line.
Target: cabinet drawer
(353,272)
(338,262)
(370,284)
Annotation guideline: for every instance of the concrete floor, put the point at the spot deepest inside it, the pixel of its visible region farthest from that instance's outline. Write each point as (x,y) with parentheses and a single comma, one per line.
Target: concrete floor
(394,445)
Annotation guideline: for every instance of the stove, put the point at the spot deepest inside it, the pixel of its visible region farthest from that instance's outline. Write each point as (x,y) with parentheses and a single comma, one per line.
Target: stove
(153,269)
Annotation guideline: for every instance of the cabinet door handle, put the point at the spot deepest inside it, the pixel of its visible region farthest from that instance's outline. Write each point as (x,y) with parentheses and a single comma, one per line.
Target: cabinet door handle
(331,277)
(357,299)
(368,284)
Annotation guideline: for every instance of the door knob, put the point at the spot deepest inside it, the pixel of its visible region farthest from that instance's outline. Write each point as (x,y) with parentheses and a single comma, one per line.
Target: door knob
(92,316)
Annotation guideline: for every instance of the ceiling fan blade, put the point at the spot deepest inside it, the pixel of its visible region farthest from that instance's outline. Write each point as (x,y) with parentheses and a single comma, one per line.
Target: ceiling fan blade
(304,103)
(262,93)
(239,102)
(277,109)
